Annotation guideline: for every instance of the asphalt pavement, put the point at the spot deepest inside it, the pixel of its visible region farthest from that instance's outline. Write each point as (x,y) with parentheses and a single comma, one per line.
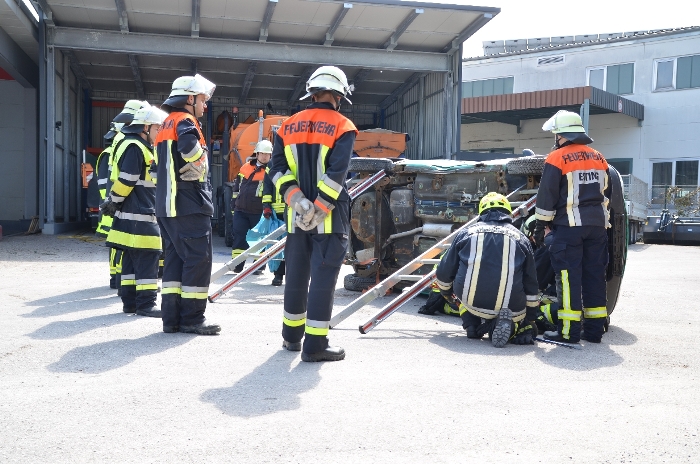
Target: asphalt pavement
(80,381)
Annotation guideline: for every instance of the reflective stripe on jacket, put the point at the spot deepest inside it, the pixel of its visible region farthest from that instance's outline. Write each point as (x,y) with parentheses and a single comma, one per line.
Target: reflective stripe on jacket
(135,225)
(311,153)
(181,141)
(573,188)
(491,266)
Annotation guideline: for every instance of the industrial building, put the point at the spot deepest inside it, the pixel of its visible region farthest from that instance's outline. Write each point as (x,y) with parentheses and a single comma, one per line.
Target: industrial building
(69,66)
(638,93)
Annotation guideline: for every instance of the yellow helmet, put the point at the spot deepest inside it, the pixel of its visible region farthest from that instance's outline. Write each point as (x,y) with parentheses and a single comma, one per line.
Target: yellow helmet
(494,200)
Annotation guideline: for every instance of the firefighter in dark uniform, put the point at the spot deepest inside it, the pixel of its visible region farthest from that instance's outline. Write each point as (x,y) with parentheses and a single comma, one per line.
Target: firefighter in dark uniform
(310,158)
(184,208)
(131,201)
(273,203)
(573,202)
(490,267)
(104,223)
(247,199)
(103,170)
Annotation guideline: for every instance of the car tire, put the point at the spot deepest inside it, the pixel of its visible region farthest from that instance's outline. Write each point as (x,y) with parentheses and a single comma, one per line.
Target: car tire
(355,283)
(527,165)
(371,165)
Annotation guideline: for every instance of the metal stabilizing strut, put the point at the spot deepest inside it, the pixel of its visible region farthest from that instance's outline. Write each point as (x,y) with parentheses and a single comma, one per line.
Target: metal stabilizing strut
(405,274)
(274,250)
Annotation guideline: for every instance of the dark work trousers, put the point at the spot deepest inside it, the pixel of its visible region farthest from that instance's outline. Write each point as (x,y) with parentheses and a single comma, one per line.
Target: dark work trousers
(242,223)
(139,281)
(580,257)
(187,269)
(115,267)
(280,270)
(308,307)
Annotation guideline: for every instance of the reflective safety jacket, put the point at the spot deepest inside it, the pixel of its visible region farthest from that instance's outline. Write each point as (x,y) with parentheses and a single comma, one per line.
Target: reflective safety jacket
(311,153)
(490,266)
(248,188)
(573,188)
(180,141)
(272,198)
(135,225)
(103,171)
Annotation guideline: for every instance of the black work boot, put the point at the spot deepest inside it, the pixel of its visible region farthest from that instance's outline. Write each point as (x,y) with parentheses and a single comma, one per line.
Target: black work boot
(153,311)
(205,328)
(277,281)
(473,332)
(291,346)
(239,267)
(171,329)
(503,329)
(332,353)
(129,309)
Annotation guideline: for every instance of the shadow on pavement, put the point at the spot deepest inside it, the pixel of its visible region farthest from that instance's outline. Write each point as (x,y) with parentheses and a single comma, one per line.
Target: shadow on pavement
(67,329)
(256,395)
(79,300)
(103,357)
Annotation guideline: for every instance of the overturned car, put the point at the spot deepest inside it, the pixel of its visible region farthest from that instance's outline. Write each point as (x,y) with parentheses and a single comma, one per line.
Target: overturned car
(420,202)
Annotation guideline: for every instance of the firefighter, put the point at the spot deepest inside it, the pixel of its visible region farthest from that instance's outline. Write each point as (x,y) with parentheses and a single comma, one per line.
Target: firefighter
(310,158)
(573,202)
(273,203)
(184,208)
(104,223)
(103,171)
(131,201)
(247,199)
(491,268)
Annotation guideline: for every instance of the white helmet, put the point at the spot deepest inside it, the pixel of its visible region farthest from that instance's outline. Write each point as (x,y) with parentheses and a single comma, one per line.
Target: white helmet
(263,146)
(328,78)
(145,117)
(564,121)
(192,85)
(130,108)
(114,129)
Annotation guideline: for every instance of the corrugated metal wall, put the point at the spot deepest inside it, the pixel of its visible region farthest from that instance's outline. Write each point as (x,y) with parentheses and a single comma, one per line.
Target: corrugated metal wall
(428,112)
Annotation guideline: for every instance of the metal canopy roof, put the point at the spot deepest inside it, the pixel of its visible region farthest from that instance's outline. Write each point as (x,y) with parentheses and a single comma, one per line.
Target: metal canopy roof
(513,108)
(258,49)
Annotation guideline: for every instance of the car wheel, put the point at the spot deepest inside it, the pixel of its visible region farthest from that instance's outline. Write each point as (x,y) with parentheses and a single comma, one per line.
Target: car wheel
(355,283)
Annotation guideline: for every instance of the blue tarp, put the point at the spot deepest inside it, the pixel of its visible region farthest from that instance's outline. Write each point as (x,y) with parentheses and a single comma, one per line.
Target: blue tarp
(262,229)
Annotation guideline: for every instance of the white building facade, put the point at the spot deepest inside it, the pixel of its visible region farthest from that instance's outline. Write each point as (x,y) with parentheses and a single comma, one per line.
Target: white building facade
(659,70)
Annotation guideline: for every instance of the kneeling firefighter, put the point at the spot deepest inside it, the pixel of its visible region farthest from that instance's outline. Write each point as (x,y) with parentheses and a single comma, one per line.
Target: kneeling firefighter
(490,267)
(131,200)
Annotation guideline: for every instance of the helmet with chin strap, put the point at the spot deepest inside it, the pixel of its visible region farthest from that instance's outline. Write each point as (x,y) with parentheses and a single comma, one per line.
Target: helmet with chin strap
(328,78)
(494,200)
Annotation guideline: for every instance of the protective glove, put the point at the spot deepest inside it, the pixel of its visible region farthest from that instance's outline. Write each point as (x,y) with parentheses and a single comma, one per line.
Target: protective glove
(447,295)
(267,213)
(538,235)
(195,169)
(109,207)
(318,217)
(434,304)
(299,222)
(302,207)
(525,334)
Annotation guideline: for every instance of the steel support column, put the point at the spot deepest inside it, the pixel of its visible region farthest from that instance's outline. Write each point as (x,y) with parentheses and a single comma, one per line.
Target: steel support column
(585,113)
(65,139)
(50,198)
(421,117)
(42,101)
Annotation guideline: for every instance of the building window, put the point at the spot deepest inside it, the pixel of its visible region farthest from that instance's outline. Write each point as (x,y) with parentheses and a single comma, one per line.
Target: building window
(623,165)
(681,174)
(617,79)
(486,87)
(677,73)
